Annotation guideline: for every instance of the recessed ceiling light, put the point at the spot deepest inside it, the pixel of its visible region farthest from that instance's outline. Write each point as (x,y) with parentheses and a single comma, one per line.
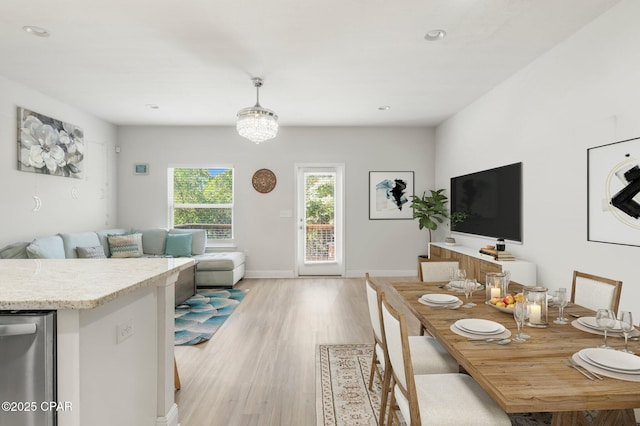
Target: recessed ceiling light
(435,35)
(384,108)
(36,31)
(152,106)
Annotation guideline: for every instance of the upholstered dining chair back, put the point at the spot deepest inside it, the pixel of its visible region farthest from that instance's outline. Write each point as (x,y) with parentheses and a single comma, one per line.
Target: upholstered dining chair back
(595,292)
(436,270)
(374,312)
(396,339)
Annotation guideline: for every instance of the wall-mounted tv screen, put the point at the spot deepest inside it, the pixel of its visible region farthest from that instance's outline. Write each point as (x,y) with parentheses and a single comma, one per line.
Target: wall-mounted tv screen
(492,200)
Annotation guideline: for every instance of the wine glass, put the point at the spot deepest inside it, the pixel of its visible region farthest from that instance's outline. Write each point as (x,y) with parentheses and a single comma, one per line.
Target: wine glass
(460,276)
(519,314)
(626,323)
(507,280)
(452,276)
(606,320)
(527,311)
(560,298)
(466,286)
(472,284)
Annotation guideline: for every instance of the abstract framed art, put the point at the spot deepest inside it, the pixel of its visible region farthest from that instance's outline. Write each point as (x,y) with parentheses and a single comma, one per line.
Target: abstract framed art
(614,193)
(49,146)
(389,195)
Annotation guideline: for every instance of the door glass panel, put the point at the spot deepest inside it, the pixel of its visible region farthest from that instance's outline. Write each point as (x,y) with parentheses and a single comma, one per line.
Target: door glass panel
(319,217)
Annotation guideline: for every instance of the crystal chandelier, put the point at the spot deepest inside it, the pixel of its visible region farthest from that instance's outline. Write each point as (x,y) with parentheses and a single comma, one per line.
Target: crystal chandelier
(256,123)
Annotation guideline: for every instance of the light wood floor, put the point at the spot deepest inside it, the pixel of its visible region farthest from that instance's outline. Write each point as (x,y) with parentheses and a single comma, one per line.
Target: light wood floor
(259,368)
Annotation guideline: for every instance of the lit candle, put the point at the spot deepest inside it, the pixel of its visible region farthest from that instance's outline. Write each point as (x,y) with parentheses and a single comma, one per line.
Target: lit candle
(535,315)
(495,292)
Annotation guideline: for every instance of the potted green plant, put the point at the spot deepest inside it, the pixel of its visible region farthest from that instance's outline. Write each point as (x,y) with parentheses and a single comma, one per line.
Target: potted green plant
(454,219)
(430,210)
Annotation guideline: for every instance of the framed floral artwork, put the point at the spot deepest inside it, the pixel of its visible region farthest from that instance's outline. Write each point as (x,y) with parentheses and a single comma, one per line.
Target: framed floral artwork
(390,195)
(49,146)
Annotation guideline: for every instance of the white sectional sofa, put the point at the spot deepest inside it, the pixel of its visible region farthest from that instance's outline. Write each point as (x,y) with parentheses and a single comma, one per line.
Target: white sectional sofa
(217,269)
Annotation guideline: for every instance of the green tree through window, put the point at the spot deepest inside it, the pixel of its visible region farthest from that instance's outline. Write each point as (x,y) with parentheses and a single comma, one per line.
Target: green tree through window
(203,199)
(320,216)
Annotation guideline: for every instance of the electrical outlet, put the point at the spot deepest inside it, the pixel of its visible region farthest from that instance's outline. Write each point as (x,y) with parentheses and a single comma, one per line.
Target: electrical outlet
(124,330)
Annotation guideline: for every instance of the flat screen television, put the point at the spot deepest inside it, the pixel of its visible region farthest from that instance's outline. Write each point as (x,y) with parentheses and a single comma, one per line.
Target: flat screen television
(492,200)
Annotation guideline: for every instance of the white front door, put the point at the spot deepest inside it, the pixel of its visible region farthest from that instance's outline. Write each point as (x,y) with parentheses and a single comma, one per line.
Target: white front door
(319,219)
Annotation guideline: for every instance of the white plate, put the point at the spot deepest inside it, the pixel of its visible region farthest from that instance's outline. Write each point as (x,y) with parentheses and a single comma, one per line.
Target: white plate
(610,359)
(591,323)
(460,285)
(479,326)
(454,305)
(439,298)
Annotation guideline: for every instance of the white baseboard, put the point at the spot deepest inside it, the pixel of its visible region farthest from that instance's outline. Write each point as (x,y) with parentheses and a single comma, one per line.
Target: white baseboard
(383,273)
(269,274)
(348,273)
(171,419)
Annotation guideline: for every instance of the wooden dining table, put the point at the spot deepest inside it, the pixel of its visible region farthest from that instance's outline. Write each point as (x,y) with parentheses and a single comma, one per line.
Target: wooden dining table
(528,376)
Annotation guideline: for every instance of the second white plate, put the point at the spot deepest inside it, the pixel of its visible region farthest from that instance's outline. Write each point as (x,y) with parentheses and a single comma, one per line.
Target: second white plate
(479,326)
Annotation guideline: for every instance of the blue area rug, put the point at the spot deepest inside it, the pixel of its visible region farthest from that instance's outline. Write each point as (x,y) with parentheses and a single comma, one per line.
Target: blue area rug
(200,316)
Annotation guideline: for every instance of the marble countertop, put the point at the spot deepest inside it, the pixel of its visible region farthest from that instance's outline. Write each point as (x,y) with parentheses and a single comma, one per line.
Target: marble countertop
(78,283)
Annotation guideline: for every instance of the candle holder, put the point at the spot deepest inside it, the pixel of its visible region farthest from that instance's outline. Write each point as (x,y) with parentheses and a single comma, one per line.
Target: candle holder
(537,308)
(495,285)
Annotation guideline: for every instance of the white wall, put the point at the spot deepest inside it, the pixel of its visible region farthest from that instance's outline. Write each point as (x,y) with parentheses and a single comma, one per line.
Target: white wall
(381,247)
(94,206)
(581,94)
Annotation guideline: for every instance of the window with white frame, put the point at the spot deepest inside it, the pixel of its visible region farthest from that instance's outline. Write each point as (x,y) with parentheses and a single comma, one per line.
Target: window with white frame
(202,198)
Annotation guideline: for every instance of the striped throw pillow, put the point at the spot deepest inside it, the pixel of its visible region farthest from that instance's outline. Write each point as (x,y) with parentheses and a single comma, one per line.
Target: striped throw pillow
(125,245)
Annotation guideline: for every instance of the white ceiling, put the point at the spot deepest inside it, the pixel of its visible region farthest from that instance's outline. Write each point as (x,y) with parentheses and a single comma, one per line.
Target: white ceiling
(325,63)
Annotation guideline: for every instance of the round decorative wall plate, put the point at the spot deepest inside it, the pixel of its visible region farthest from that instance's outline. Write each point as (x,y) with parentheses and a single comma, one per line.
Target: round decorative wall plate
(264,180)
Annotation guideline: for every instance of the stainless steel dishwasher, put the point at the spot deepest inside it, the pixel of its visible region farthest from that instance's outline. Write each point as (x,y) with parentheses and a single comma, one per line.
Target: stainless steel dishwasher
(28,368)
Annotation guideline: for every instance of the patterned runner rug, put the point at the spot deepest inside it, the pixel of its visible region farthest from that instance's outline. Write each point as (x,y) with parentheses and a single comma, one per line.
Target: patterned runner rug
(343,399)
(200,316)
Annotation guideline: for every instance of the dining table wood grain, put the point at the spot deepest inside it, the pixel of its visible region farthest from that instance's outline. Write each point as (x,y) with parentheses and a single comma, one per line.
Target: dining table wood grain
(528,376)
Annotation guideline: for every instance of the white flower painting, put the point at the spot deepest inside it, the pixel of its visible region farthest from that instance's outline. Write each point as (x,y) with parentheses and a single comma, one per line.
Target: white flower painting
(49,146)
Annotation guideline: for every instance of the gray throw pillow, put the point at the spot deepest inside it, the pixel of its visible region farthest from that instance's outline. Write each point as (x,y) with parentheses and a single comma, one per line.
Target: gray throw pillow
(96,252)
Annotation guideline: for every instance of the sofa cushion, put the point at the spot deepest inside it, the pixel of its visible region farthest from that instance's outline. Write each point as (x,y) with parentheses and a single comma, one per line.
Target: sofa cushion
(178,245)
(153,240)
(129,245)
(219,261)
(50,247)
(198,241)
(104,233)
(78,239)
(15,251)
(95,252)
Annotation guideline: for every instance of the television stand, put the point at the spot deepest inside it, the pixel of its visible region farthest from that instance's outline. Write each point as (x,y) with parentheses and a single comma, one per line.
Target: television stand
(477,266)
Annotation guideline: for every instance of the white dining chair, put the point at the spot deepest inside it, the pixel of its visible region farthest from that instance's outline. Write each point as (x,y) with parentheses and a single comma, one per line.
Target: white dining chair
(594,292)
(429,355)
(432,270)
(436,399)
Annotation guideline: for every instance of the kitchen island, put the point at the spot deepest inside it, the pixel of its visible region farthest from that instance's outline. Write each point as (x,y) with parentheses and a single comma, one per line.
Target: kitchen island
(114,334)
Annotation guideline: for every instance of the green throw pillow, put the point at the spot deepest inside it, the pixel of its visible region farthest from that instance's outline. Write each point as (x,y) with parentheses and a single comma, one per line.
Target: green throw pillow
(178,245)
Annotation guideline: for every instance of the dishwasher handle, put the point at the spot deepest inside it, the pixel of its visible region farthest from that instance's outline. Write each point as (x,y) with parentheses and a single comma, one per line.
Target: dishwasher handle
(17,329)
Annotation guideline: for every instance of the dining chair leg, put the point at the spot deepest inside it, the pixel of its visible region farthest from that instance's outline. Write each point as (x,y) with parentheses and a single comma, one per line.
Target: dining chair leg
(374,361)
(392,403)
(176,376)
(385,395)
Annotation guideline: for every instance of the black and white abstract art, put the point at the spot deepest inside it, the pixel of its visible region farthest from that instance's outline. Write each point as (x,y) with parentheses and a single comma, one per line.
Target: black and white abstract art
(390,195)
(614,193)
